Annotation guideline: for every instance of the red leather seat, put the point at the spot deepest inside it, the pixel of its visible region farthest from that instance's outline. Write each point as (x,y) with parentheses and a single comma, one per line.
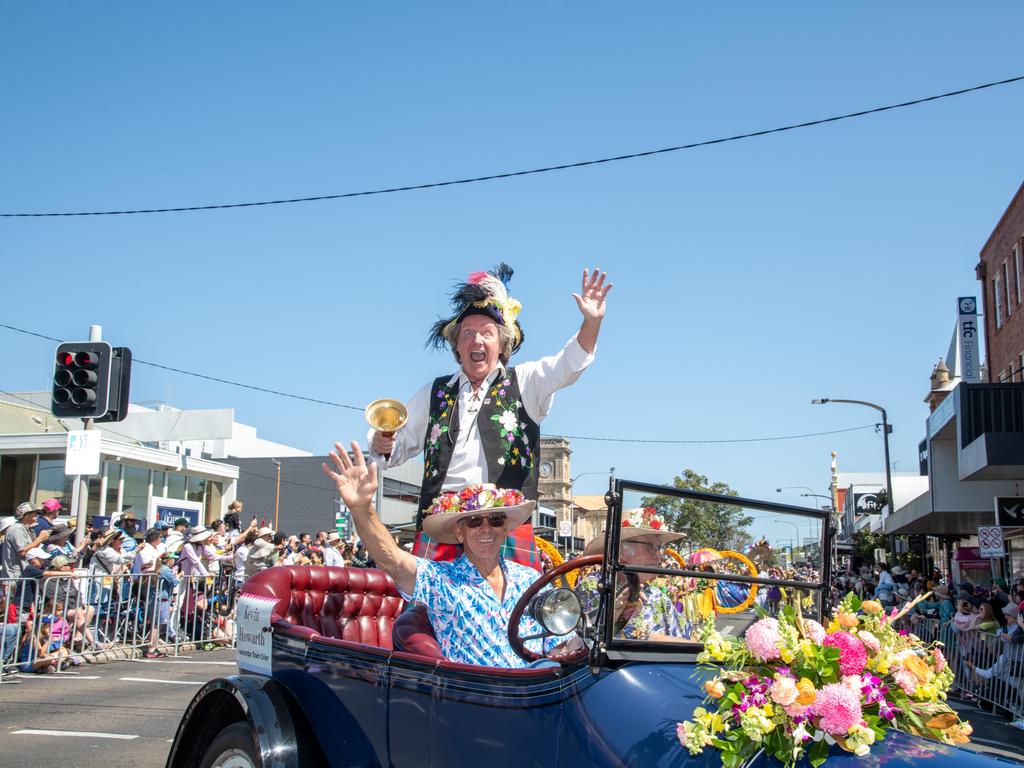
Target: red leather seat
(355,604)
(413,633)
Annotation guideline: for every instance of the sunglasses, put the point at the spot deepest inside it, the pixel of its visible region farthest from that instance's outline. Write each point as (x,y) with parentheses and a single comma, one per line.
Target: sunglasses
(495,521)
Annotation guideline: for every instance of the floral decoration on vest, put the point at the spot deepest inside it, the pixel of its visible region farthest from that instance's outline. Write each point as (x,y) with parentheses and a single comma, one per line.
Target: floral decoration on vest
(516,449)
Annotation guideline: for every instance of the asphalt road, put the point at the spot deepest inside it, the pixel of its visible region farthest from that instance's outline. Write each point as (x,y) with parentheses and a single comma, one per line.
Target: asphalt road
(126,712)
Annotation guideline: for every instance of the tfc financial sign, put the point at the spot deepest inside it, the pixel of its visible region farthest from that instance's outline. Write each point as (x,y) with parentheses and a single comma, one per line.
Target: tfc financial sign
(967,335)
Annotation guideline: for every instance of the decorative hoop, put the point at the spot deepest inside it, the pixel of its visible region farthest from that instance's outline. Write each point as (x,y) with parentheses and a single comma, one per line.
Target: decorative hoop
(551,551)
(752,570)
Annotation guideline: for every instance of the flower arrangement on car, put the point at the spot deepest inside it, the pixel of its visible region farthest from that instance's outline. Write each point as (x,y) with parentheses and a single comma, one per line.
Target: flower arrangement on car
(794,688)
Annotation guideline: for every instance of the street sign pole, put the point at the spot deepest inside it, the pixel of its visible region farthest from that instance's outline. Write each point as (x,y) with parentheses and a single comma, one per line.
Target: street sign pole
(82,481)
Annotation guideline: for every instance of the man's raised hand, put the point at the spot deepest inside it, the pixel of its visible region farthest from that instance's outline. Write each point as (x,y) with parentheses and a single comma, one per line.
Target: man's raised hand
(357,482)
(591,300)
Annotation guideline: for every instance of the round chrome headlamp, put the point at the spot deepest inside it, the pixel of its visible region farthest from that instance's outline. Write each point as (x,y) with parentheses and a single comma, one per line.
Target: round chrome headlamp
(557,610)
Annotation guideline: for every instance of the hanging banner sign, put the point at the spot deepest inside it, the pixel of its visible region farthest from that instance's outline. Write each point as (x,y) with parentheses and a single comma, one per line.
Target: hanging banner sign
(83,452)
(967,336)
(1010,511)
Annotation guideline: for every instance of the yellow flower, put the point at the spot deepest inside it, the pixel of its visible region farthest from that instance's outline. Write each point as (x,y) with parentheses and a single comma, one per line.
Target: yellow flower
(786,654)
(871,606)
(714,688)
(805,692)
(882,664)
(833,626)
(768,710)
(807,648)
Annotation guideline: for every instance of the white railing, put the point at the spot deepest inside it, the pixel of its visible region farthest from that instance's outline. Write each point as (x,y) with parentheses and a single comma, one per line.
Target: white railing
(50,622)
(987,667)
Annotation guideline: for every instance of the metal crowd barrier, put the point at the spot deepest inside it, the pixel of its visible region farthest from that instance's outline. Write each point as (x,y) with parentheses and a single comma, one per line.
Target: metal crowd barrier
(50,622)
(987,667)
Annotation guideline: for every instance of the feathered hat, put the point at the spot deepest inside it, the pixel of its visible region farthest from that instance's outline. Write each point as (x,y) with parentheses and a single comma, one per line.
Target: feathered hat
(483,293)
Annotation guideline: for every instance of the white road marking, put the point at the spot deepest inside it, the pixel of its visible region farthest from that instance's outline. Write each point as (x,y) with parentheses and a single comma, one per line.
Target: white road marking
(168,682)
(57,676)
(84,734)
(177,661)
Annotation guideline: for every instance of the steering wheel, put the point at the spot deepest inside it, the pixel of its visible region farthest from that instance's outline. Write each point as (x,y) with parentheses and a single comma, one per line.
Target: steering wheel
(517,613)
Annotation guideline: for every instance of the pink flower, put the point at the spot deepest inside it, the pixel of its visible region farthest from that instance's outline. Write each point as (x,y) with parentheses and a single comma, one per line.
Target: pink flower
(784,691)
(762,639)
(814,631)
(852,657)
(940,660)
(838,707)
(795,710)
(475,277)
(906,680)
(869,640)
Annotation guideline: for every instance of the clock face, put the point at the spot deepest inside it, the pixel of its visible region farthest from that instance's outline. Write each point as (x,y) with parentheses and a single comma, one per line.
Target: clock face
(546,470)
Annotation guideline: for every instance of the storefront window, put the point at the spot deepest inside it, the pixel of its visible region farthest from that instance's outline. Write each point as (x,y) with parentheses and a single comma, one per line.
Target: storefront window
(52,483)
(135,495)
(93,507)
(113,480)
(196,489)
(175,486)
(159,480)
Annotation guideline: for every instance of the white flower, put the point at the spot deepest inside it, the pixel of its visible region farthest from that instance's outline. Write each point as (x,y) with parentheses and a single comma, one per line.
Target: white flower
(509,421)
(501,460)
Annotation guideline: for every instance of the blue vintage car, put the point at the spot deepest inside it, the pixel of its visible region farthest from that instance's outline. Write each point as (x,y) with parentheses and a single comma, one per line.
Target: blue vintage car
(337,670)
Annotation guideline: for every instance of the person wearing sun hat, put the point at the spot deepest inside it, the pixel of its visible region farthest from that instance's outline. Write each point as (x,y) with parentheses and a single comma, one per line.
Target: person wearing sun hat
(468,600)
(481,424)
(18,540)
(642,610)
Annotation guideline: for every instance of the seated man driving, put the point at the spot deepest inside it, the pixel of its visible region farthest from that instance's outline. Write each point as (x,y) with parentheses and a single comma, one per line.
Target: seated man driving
(642,611)
(468,600)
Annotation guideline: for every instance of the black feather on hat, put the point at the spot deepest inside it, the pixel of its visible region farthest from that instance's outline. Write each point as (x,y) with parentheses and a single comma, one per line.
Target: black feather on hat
(483,293)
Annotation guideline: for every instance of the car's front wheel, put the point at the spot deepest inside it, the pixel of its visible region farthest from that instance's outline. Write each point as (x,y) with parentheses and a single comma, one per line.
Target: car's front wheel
(234,747)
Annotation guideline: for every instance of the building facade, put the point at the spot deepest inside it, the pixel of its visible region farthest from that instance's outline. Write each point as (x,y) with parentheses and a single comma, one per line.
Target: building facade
(1000,271)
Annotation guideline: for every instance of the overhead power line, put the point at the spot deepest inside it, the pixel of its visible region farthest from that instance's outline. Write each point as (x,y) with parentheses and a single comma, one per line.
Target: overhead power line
(530,172)
(357,408)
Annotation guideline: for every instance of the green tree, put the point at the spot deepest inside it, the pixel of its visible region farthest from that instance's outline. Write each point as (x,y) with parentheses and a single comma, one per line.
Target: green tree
(865,543)
(707,524)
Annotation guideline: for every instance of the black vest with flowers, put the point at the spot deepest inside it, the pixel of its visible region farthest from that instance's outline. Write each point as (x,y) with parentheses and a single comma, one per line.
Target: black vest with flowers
(511,439)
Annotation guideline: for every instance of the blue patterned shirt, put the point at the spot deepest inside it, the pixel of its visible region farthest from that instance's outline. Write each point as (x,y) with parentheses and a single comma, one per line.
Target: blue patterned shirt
(470,623)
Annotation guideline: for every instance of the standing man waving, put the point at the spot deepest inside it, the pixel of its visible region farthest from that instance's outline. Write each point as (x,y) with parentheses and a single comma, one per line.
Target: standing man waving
(481,424)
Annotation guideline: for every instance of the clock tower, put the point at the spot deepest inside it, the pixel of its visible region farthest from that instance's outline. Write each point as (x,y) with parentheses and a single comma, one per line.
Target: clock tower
(553,476)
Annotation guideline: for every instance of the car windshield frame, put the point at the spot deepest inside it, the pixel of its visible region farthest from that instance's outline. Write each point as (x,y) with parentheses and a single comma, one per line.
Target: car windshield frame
(609,648)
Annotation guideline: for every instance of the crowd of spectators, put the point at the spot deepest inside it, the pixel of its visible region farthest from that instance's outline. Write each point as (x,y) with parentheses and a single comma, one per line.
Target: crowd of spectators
(191,568)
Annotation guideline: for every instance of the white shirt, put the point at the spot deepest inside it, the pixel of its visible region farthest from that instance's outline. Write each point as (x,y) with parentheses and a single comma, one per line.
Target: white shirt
(145,556)
(241,552)
(332,556)
(538,382)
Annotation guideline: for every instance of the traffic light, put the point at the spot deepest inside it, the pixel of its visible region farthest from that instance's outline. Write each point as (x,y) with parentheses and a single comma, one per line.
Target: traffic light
(81,380)
(120,380)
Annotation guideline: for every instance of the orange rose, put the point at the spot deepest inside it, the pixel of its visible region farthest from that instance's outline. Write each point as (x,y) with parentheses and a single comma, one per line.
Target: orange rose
(714,688)
(917,668)
(847,620)
(871,606)
(805,692)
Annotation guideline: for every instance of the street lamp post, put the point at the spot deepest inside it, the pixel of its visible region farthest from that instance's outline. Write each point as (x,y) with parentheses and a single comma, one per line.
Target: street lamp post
(277,494)
(572,506)
(886,429)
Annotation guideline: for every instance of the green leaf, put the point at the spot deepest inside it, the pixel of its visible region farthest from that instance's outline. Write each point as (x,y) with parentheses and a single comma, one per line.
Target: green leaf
(817,753)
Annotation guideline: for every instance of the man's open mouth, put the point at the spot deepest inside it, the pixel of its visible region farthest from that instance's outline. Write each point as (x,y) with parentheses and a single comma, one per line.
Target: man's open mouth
(477,357)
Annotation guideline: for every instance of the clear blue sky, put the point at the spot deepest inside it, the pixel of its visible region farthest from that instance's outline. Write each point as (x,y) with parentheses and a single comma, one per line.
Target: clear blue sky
(749,277)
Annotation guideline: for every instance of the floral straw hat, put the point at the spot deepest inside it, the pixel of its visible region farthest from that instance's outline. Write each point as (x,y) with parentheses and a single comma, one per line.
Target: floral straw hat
(448,508)
(636,523)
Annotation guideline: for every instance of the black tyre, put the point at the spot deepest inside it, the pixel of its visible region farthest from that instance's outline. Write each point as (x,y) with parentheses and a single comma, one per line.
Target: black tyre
(234,747)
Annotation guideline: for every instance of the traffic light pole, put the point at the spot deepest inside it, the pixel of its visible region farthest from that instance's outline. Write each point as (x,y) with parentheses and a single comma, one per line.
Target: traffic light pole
(82,481)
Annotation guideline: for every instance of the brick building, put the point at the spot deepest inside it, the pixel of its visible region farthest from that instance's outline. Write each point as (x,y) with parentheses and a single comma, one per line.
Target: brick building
(1000,272)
